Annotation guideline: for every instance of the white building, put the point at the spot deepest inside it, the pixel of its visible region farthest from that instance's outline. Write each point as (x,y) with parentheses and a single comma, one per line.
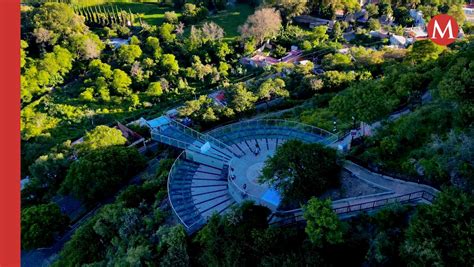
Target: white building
(417,18)
(469,12)
(398,40)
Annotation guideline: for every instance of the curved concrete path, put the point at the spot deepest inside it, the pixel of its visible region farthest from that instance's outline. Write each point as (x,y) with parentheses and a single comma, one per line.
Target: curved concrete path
(396,190)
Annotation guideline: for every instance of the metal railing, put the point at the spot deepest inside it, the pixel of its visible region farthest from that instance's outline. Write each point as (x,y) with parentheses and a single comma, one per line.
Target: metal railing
(170,179)
(172,172)
(157,136)
(195,134)
(414,196)
(260,124)
(296,215)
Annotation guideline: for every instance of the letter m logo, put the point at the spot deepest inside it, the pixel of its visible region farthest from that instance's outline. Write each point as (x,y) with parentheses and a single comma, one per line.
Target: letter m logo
(443,29)
(441,34)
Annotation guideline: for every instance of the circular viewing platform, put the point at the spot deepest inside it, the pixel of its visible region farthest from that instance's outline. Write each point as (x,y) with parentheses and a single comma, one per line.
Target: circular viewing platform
(198,188)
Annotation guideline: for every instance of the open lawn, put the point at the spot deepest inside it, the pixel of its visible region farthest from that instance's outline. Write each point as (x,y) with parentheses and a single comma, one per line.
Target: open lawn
(230,19)
(153,14)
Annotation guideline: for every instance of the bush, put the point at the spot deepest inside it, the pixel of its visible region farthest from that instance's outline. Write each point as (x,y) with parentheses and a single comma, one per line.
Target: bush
(171,17)
(40,224)
(101,172)
(193,14)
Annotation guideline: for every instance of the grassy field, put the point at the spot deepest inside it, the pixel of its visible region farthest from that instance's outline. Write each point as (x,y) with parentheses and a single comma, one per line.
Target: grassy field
(232,18)
(153,14)
(229,20)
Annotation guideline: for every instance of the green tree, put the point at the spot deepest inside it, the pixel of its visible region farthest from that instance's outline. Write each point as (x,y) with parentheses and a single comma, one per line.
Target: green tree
(170,64)
(263,24)
(154,89)
(279,51)
(289,8)
(424,50)
(337,31)
(374,24)
(40,224)
(222,49)
(193,14)
(199,109)
(83,247)
(272,88)
(152,44)
(318,35)
(121,82)
(86,46)
(199,70)
(385,8)
(87,94)
(129,53)
(366,100)
(372,10)
(452,155)
(173,246)
(456,85)
(322,225)
(97,68)
(23,57)
(457,12)
(301,170)
(40,76)
(224,68)
(441,234)
(336,61)
(166,32)
(386,229)
(225,240)
(137,255)
(34,123)
(134,40)
(100,172)
(402,16)
(242,99)
(210,238)
(55,22)
(337,80)
(102,136)
(171,17)
(48,171)
(367,59)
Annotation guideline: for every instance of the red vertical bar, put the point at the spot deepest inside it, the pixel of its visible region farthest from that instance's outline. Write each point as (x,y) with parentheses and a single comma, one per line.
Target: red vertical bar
(10,133)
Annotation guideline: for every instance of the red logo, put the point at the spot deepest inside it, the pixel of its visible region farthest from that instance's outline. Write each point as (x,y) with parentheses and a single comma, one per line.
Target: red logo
(443,29)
